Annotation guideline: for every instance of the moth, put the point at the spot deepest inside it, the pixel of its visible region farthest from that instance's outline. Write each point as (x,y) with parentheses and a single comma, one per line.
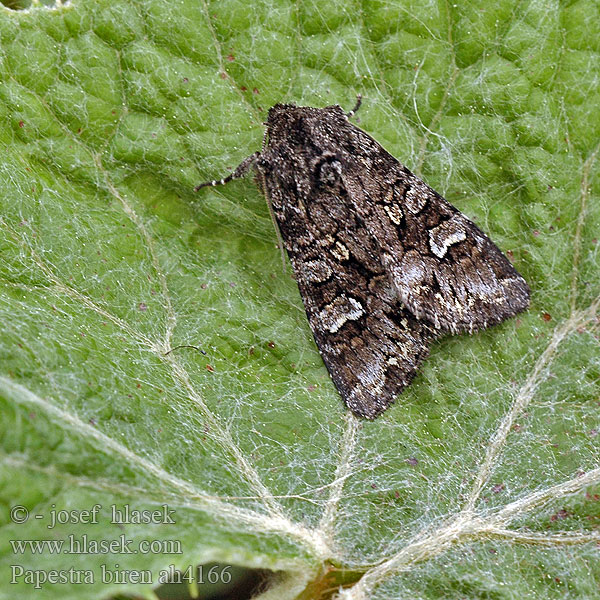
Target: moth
(384,264)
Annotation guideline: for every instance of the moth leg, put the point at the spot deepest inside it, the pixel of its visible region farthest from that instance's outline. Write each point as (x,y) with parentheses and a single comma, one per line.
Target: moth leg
(356,107)
(240,171)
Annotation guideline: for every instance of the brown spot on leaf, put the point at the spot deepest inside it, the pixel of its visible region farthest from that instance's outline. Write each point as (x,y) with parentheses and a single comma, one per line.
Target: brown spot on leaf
(560,515)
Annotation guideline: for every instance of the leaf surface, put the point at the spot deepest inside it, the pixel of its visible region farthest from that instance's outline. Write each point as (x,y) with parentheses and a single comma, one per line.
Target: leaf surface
(482,481)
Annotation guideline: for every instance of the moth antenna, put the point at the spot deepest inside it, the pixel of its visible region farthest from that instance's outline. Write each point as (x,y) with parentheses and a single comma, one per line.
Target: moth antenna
(274,219)
(265,139)
(356,107)
(184,346)
(240,171)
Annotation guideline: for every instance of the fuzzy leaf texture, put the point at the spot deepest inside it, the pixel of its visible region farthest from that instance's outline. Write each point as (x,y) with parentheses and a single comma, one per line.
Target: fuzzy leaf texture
(483,480)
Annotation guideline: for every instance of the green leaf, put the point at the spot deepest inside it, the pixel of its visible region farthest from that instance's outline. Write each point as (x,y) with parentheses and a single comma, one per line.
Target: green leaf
(482,481)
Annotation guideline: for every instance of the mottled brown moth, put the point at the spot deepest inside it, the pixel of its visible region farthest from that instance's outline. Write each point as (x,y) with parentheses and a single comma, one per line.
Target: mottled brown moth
(384,263)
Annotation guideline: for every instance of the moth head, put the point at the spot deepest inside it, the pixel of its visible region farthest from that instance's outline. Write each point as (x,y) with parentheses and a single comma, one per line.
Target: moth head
(291,121)
(281,114)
